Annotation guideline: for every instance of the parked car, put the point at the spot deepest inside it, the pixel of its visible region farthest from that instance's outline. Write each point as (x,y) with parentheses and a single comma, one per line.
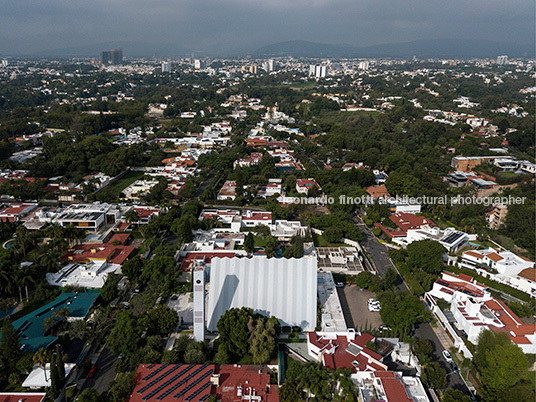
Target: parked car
(92,372)
(374,306)
(447,356)
(339,285)
(454,367)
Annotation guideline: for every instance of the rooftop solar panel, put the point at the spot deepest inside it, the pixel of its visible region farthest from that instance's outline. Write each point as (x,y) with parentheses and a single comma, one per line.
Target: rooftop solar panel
(198,391)
(174,378)
(193,384)
(158,379)
(158,370)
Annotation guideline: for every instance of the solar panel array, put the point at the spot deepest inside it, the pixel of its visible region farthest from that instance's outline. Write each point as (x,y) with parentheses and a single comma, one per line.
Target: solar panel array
(199,390)
(158,379)
(174,378)
(188,378)
(193,384)
(158,370)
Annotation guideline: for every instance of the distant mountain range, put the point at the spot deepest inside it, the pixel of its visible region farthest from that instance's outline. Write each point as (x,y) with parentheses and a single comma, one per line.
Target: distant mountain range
(420,48)
(130,49)
(298,48)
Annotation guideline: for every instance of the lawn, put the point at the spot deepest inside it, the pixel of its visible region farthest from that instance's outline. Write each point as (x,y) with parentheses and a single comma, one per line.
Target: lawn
(125,181)
(260,241)
(320,241)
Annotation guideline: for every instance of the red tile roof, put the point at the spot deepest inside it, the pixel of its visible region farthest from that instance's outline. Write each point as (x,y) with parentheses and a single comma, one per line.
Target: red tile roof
(192,383)
(495,257)
(22,396)
(406,221)
(146,212)
(122,238)
(364,360)
(513,326)
(378,191)
(87,252)
(393,387)
(390,232)
(251,379)
(528,273)
(186,261)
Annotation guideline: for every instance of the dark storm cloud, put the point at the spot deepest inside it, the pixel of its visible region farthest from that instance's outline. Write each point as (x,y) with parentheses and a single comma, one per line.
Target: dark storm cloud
(27,26)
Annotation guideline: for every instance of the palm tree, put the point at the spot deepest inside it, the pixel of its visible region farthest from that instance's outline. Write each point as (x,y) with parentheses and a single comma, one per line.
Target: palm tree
(8,280)
(54,231)
(131,216)
(25,278)
(23,241)
(41,358)
(49,261)
(72,233)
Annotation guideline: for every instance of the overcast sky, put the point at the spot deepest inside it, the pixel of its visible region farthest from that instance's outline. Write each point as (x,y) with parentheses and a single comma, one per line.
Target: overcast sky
(28,26)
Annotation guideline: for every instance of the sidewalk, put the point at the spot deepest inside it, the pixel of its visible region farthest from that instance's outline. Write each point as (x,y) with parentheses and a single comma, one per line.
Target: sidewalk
(443,337)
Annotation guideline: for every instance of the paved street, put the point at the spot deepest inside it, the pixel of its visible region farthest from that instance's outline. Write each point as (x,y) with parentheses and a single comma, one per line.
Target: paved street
(203,186)
(454,380)
(379,255)
(105,373)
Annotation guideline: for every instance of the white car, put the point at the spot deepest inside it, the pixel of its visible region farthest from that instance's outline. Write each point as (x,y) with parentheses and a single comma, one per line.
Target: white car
(374,306)
(447,356)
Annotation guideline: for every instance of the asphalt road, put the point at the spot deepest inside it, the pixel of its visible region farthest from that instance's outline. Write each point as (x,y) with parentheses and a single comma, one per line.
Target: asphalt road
(105,373)
(454,380)
(203,186)
(302,151)
(379,255)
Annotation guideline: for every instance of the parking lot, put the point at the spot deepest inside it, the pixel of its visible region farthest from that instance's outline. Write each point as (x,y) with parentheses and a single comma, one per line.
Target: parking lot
(354,302)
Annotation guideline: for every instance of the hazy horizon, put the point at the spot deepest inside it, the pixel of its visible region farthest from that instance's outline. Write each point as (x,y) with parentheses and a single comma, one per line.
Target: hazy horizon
(239,25)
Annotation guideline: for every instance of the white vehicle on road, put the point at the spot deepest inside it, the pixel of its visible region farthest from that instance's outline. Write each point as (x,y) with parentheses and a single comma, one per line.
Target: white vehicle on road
(447,356)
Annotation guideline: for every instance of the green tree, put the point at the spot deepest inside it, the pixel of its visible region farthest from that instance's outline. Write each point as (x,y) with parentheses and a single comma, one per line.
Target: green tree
(195,353)
(9,345)
(89,395)
(423,349)
(426,255)
(41,358)
(502,365)
(55,380)
(249,243)
(132,268)
(263,339)
(109,290)
(402,311)
(291,390)
(164,319)
(125,336)
(333,234)
(455,395)
(436,376)
(121,387)
(297,246)
(271,246)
